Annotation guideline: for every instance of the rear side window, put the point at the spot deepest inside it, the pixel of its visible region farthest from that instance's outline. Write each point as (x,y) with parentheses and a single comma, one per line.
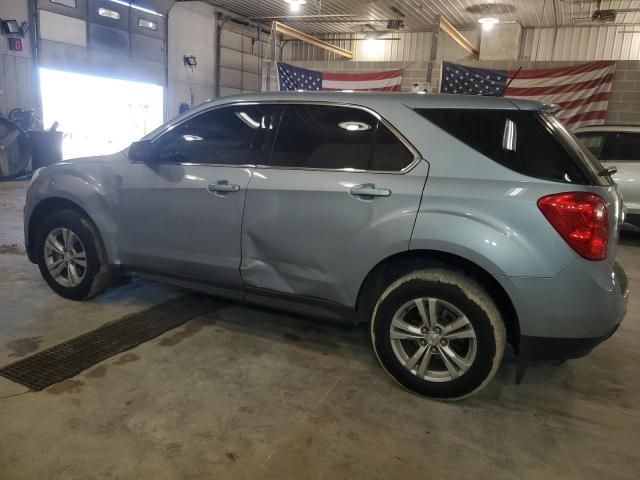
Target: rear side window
(519,140)
(622,146)
(335,137)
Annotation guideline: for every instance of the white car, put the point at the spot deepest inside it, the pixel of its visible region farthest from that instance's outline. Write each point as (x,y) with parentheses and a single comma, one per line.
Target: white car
(618,146)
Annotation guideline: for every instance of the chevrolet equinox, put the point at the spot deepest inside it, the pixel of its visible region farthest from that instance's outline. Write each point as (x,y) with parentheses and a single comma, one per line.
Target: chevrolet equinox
(452,225)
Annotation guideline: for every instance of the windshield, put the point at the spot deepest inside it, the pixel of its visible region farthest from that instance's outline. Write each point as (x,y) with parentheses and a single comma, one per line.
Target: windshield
(575,146)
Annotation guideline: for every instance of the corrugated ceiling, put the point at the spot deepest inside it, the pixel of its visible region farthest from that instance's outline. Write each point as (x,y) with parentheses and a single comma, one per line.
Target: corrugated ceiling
(419,15)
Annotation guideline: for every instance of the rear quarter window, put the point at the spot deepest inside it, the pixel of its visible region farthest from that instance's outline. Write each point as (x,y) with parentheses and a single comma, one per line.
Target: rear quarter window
(519,140)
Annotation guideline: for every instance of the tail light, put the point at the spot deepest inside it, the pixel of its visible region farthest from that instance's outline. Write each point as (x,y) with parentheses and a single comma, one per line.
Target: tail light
(581,220)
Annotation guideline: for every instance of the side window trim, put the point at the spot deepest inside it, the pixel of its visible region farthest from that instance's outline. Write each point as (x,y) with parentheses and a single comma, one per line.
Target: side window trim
(284,103)
(272,138)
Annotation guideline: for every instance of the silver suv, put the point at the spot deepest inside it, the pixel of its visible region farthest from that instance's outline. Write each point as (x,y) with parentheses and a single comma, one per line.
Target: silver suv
(451,225)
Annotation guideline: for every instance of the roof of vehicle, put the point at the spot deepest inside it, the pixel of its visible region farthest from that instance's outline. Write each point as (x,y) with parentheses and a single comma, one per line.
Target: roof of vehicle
(610,127)
(413,100)
(365,99)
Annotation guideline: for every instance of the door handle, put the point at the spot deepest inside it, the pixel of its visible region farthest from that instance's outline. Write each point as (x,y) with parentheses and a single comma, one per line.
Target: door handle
(369,190)
(222,187)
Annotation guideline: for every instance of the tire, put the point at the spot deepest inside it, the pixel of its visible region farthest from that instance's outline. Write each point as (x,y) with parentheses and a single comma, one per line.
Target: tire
(402,334)
(85,247)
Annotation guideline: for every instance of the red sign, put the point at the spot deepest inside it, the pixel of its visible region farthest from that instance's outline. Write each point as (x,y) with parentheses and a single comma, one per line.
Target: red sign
(15,44)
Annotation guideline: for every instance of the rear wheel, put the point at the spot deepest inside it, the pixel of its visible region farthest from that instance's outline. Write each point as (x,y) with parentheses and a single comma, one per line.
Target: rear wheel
(70,256)
(438,333)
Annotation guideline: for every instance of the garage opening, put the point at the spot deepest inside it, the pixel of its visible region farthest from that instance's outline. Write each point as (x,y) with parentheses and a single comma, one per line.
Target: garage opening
(98,115)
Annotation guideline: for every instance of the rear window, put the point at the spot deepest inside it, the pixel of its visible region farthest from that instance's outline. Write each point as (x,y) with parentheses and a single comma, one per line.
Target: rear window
(523,141)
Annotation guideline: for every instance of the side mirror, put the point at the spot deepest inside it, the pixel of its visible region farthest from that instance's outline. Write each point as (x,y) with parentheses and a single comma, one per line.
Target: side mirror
(141,151)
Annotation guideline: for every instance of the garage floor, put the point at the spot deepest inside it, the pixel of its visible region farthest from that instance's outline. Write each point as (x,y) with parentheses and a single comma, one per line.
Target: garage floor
(251,393)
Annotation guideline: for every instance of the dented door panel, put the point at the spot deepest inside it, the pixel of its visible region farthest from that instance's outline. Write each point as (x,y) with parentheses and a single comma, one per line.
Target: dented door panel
(307,232)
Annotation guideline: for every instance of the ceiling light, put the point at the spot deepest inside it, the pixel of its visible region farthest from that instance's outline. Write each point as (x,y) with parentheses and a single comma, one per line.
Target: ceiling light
(294,5)
(488,22)
(374,49)
(354,126)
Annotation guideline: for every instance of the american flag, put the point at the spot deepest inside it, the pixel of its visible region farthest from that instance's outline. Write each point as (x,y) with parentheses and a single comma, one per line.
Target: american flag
(297,78)
(581,91)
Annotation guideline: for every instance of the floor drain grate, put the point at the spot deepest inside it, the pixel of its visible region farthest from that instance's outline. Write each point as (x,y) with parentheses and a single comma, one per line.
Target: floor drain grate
(73,356)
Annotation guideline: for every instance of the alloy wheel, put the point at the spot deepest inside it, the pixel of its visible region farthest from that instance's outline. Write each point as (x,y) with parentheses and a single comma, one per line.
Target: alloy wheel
(65,257)
(433,339)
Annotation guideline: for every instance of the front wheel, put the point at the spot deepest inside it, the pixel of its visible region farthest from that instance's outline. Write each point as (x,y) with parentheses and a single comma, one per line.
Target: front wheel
(438,334)
(70,256)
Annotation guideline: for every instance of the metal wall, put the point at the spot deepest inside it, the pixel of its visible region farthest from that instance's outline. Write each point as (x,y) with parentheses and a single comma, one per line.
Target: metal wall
(582,43)
(17,87)
(414,46)
(17,82)
(192,32)
(409,47)
(79,40)
(538,44)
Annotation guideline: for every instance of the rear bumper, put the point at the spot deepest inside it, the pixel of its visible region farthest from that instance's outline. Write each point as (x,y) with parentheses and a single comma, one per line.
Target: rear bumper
(552,348)
(585,302)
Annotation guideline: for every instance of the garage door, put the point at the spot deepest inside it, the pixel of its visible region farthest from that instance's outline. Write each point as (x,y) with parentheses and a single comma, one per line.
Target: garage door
(111,38)
(239,65)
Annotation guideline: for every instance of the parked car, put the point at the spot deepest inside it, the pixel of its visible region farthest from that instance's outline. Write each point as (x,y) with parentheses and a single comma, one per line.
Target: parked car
(452,225)
(618,146)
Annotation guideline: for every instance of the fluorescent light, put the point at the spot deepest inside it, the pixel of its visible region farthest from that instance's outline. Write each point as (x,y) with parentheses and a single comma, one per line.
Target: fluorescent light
(105,12)
(509,136)
(488,22)
(374,48)
(246,118)
(294,5)
(137,7)
(148,24)
(191,138)
(352,126)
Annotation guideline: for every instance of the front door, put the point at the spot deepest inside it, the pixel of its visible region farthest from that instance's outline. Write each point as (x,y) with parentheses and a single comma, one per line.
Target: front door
(181,213)
(341,193)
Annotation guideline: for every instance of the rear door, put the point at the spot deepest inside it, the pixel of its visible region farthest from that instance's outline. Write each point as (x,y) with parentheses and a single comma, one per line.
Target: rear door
(341,193)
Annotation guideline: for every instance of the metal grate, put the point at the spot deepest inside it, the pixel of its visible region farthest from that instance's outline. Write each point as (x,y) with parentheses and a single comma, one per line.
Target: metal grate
(73,356)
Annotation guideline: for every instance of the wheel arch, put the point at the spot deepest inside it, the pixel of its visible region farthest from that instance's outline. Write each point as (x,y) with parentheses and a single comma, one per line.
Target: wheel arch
(51,205)
(399,264)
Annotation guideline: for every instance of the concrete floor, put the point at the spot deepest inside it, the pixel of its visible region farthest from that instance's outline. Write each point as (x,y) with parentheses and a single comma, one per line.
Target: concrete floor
(250,393)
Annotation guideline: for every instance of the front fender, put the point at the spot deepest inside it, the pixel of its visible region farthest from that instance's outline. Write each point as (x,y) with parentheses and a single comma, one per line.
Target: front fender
(85,187)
